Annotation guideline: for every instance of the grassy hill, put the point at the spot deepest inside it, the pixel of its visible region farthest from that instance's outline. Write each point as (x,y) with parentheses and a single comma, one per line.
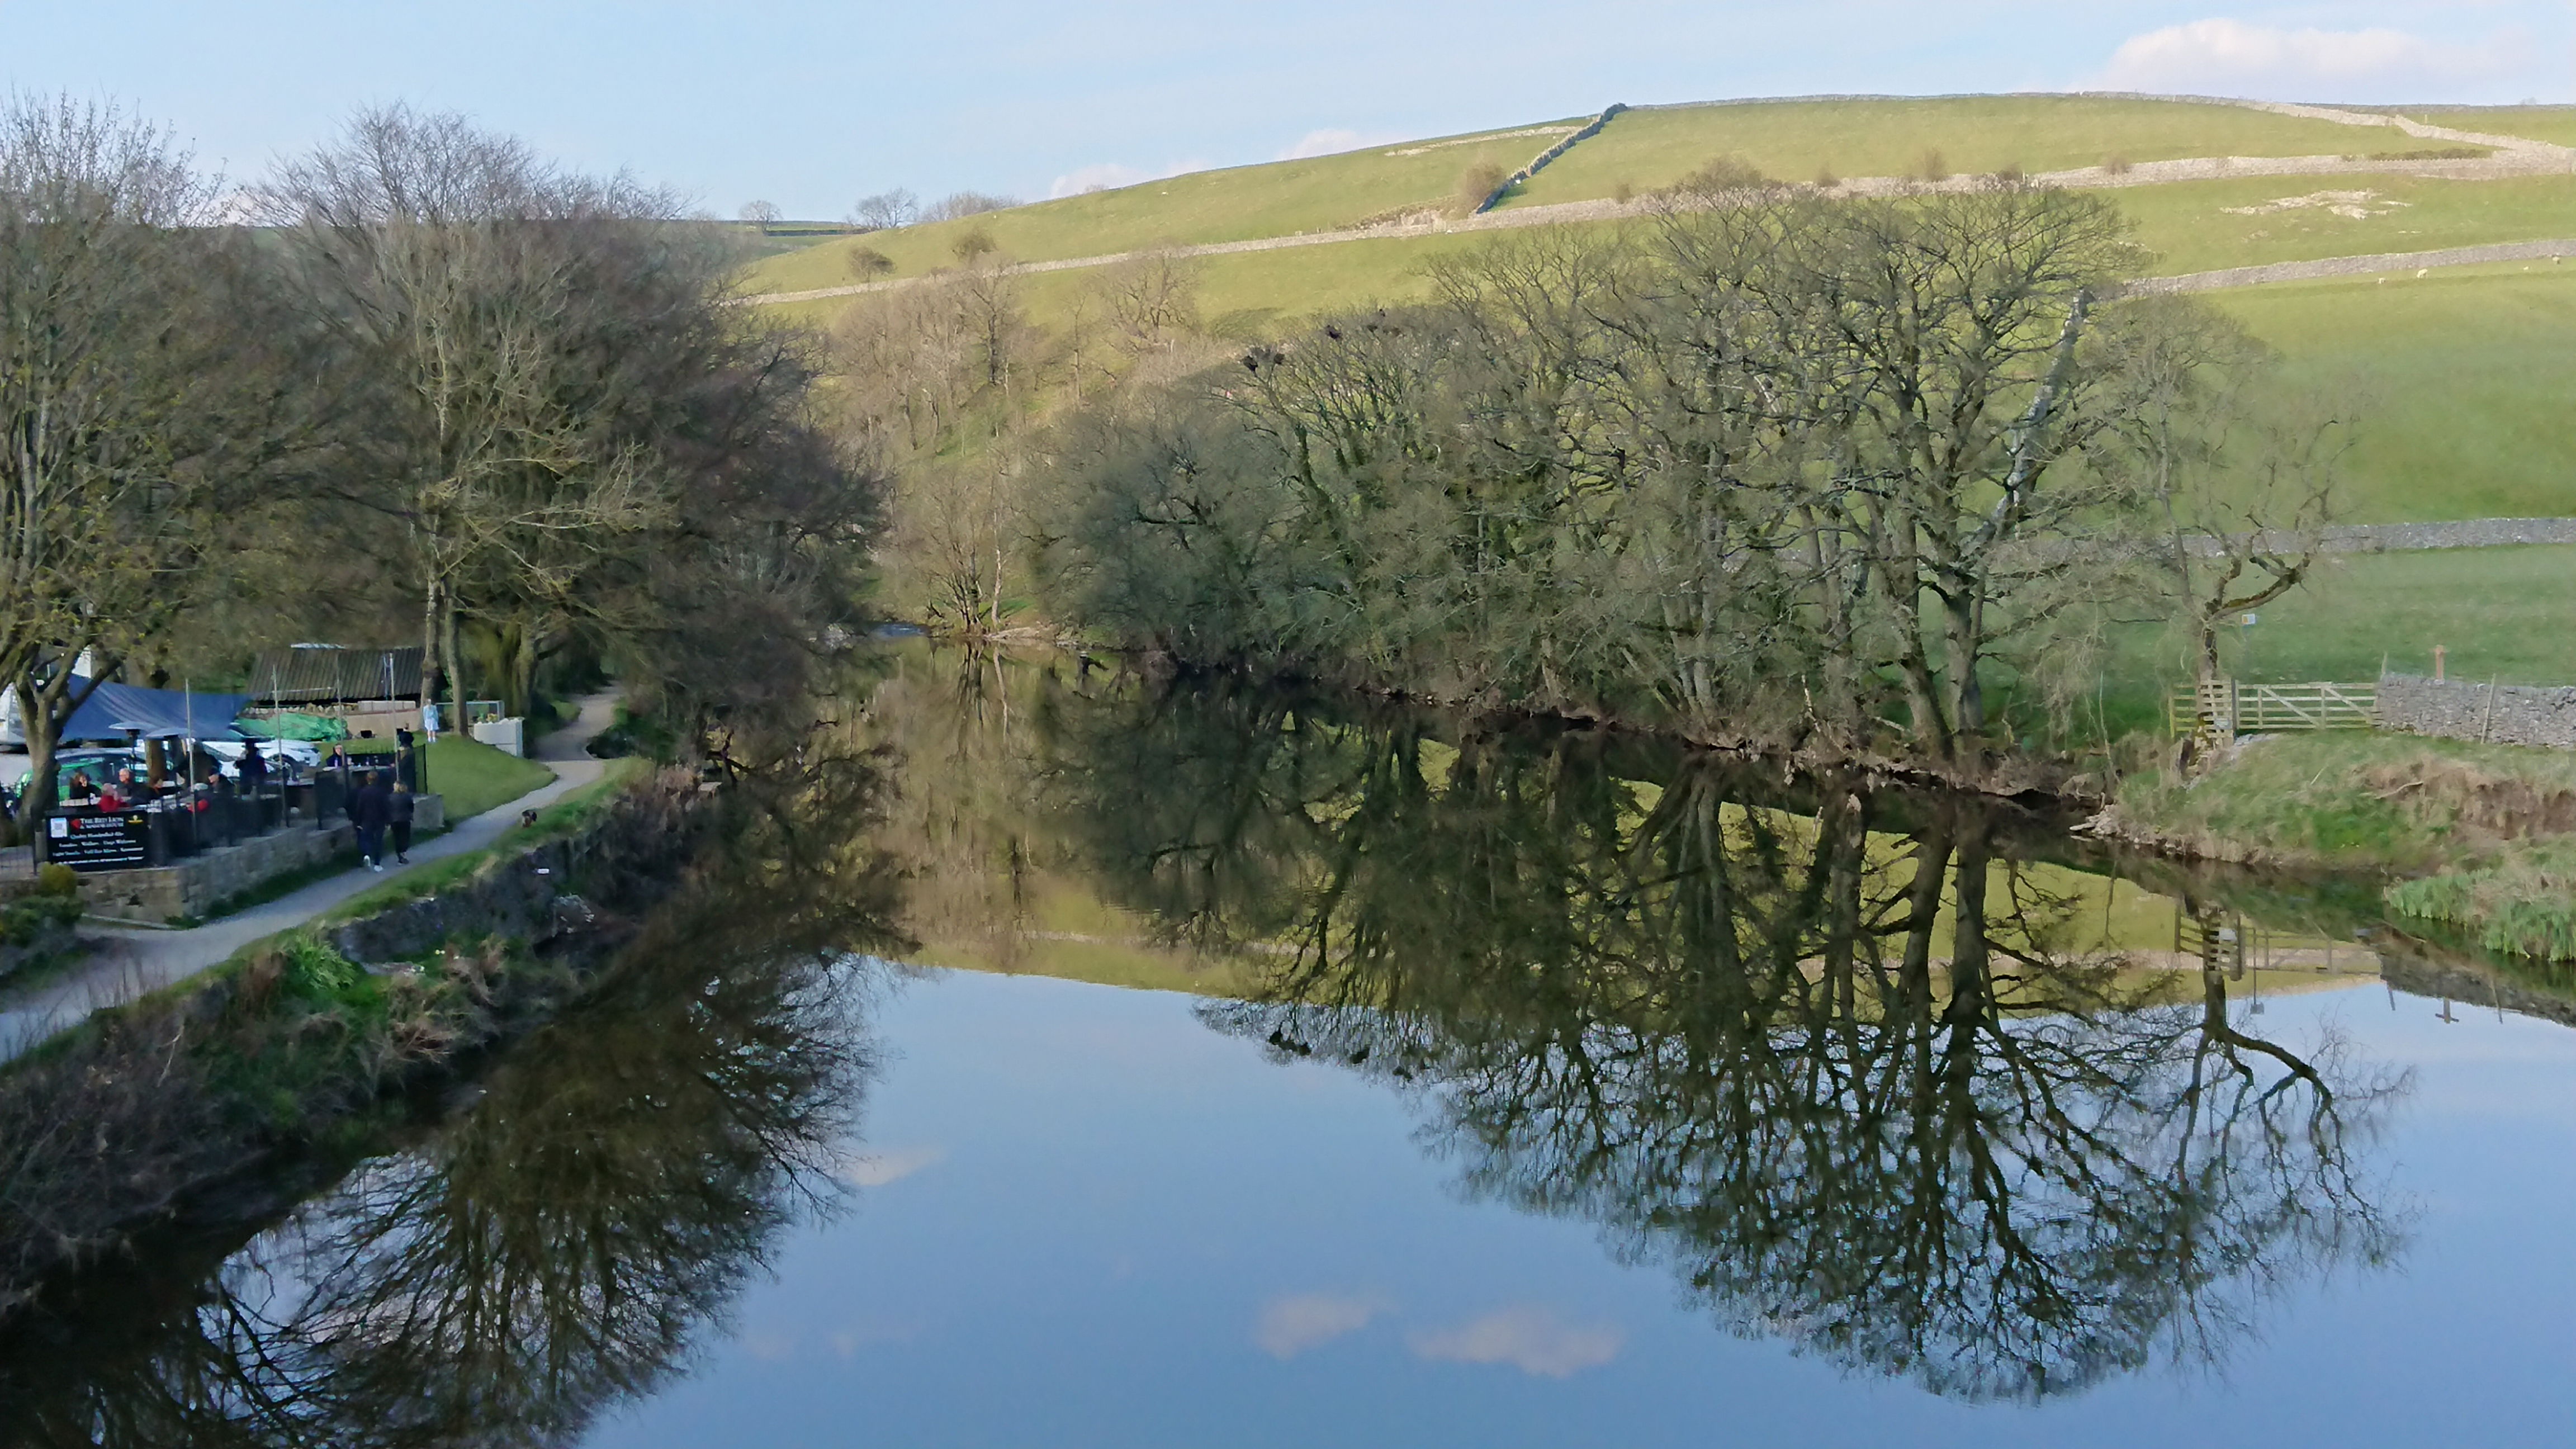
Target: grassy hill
(1640,150)
(1804,140)
(1279,198)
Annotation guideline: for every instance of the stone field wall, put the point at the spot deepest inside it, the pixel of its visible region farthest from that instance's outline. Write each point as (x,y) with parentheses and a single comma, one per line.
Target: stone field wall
(2458,709)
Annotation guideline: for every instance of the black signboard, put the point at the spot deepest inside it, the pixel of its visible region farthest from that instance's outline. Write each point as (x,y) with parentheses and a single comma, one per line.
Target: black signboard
(99,842)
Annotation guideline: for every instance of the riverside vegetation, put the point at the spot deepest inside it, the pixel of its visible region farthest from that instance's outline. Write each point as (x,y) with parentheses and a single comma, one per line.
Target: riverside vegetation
(443,390)
(1844,476)
(313,1046)
(1899,479)
(590,1150)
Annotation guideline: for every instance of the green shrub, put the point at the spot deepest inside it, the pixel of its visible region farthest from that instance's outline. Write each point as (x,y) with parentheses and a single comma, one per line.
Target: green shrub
(25,920)
(57,880)
(2522,905)
(315,971)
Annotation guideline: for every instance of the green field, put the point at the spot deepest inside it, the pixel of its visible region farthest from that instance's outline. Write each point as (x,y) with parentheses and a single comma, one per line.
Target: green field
(1641,149)
(2200,226)
(2554,124)
(2457,380)
(2503,614)
(2460,381)
(1795,140)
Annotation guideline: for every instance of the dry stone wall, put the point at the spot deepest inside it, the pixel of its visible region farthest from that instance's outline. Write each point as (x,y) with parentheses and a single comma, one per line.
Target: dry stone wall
(2457,709)
(1539,162)
(2389,537)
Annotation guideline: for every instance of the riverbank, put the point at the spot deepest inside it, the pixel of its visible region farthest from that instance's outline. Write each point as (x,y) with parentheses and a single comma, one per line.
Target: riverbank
(304,1041)
(2479,838)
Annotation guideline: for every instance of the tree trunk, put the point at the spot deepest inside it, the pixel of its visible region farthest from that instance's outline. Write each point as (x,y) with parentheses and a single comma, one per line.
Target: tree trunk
(428,645)
(39,800)
(455,676)
(1964,623)
(43,710)
(1971,954)
(523,671)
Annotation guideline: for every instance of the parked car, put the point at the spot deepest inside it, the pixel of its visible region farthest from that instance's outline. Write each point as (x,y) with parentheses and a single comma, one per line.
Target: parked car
(102,765)
(303,752)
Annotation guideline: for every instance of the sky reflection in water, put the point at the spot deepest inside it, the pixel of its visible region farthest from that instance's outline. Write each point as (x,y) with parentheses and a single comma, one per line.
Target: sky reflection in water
(1089,1219)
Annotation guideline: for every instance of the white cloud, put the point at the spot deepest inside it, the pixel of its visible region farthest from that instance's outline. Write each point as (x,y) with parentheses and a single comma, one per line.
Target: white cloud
(876,1169)
(1332,140)
(2231,57)
(1289,1326)
(869,1332)
(1530,1339)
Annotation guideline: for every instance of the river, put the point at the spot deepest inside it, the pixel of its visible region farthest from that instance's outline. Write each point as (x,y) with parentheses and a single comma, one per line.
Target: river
(1124,1065)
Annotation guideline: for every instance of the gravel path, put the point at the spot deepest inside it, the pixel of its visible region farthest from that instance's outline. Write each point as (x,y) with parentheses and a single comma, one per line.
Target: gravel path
(128,962)
(2514,156)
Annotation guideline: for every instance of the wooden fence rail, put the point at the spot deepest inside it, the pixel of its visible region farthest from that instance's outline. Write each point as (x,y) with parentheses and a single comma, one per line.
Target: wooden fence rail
(2230,707)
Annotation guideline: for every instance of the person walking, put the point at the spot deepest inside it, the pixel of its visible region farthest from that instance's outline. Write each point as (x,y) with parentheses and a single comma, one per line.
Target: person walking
(370,810)
(400,807)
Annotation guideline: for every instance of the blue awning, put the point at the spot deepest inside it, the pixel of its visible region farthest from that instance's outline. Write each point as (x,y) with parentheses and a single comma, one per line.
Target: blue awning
(120,712)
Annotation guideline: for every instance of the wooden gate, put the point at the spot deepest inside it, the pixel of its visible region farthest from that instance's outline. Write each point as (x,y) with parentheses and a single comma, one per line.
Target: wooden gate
(2229,707)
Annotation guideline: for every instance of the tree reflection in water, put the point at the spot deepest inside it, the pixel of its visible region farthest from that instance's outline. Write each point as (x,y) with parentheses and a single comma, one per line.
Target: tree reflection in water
(1836,1067)
(557,1245)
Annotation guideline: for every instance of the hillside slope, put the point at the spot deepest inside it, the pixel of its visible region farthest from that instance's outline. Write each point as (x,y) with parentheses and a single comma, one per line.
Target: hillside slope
(2458,377)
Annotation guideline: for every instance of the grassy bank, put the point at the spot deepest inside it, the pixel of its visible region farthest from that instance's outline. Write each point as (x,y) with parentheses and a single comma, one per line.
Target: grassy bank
(289,1050)
(469,775)
(2360,799)
(2521,904)
(2485,833)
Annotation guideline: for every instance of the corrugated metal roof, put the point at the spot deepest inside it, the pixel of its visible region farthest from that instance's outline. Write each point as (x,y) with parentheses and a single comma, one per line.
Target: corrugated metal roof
(308,674)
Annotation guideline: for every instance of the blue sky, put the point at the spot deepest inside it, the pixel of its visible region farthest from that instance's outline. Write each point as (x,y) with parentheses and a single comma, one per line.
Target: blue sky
(810,104)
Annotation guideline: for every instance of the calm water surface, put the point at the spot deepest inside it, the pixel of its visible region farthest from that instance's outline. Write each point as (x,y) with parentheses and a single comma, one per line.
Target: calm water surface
(1092,1220)
(1523,1088)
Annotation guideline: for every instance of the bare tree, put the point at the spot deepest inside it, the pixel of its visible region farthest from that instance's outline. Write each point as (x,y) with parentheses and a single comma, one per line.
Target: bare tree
(762,214)
(468,278)
(959,204)
(887,210)
(2244,473)
(109,367)
(1152,298)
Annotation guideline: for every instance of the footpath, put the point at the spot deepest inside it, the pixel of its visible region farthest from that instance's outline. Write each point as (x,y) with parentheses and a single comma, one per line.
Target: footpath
(128,962)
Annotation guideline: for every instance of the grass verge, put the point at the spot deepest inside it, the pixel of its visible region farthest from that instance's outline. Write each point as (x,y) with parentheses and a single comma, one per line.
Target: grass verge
(469,775)
(2488,832)
(566,816)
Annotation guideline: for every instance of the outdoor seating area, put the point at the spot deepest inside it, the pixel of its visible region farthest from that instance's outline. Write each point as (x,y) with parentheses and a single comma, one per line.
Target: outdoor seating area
(162,783)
